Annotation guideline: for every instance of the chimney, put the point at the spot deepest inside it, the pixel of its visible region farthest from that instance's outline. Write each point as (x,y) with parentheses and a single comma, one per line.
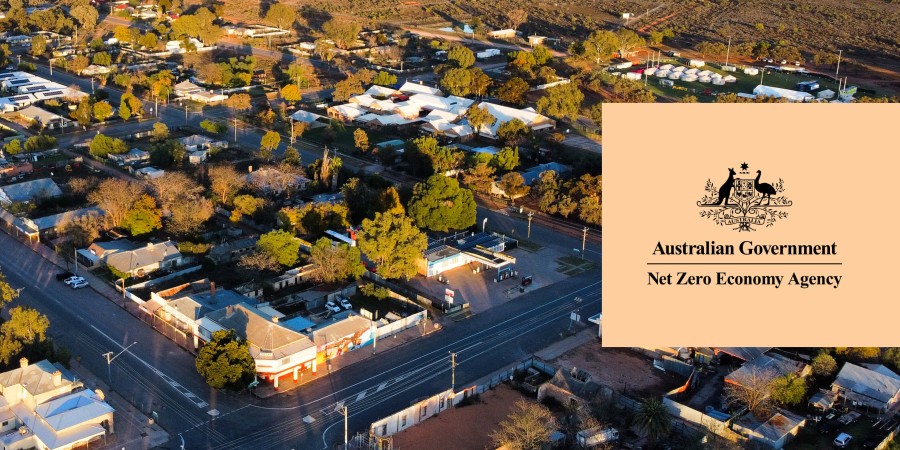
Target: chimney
(212,292)
(23,362)
(57,378)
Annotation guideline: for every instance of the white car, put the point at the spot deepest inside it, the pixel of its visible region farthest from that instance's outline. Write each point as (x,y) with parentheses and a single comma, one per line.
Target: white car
(345,303)
(79,284)
(331,306)
(76,279)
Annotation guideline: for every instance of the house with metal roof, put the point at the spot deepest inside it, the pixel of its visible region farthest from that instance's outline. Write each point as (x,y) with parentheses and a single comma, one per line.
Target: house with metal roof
(867,388)
(44,407)
(504,114)
(52,223)
(775,432)
(485,249)
(44,118)
(277,350)
(29,191)
(146,259)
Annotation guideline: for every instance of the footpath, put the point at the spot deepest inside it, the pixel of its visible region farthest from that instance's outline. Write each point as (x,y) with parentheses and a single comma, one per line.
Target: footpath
(133,428)
(350,358)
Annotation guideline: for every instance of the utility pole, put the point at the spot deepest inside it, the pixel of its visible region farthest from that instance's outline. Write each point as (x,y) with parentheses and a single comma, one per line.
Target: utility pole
(728,52)
(374,338)
(452,372)
(51,66)
(235,129)
(530,213)
(109,359)
(292,131)
(583,241)
(838,69)
(345,428)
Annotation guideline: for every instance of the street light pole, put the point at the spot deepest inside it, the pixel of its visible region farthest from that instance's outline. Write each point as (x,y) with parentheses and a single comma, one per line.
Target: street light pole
(345,428)
(483,224)
(530,213)
(583,241)
(109,359)
(452,372)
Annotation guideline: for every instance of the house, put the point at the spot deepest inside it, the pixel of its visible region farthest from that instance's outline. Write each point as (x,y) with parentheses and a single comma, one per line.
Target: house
(571,387)
(43,406)
(503,114)
(149,173)
(536,40)
(484,248)
(410,88)
(346,112)
(44,118)
(191,91)
(507,33)
(775,432)
(275,181)
(95,69)
(230,251)
(185,305)
(868,388)
(53,223)
(133,156)
(196,142)
(774,365)
(18,40)
(277,350)
(533,174)
(335,339)
(306,116)
(130,258)
(822,400)
(29,191)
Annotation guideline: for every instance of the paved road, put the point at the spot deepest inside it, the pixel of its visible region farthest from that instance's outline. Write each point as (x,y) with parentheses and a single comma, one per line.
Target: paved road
(157,375)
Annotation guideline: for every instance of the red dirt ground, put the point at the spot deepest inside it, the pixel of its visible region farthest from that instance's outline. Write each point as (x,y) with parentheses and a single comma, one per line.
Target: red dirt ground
(468,427)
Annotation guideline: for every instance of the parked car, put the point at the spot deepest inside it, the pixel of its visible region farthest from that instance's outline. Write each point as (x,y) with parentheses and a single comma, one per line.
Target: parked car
(79,284)
(75,279)
(345,303)
(331,306)
(63,276)
(843,440)
(850,417)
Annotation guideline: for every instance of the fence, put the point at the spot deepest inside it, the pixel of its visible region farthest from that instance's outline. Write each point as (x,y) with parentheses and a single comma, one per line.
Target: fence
(691,415)
(888,439)
(670,364)
(168,277)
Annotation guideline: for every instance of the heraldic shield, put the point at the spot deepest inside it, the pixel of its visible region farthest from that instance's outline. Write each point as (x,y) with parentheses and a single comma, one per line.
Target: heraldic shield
(744,203)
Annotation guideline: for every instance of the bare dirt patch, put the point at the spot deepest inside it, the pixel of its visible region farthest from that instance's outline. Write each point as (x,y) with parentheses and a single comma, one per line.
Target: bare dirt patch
(621,369)
(477,421)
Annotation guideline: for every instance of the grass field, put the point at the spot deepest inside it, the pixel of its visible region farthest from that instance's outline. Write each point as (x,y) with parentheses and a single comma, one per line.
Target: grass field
(573,265)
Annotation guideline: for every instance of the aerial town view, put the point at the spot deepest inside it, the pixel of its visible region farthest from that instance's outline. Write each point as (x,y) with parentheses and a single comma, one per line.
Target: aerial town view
(377,224)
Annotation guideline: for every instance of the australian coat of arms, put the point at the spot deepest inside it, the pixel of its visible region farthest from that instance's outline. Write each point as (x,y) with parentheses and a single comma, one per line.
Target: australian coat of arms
(744,202)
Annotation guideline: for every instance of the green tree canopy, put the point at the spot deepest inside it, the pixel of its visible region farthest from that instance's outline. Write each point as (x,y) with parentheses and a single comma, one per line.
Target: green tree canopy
(478,116)
(160,131)
(824,365)
(513,185)
(561,101)
(102,111)
(653,419)
(143,217)
(291,93)
(225,361)
(103,145)
(394,243)
(281,16)
(541,55)
(788,389)
(506,159)
(83,113)
(38,45)
(281,245)
(385,79)
(461,56)
(342,32)
(361,139)
(479,178)
(245,205)
(513,132)
(7,293)
(440,204)
(513,91)
(457,82)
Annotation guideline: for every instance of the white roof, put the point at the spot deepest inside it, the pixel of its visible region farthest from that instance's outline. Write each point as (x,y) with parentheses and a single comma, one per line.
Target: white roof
(381,91)
(415,88)
(457,105)
(72,410)
(187,87)
(505,114)
(349,110)
(391,119)
(791,95)
(305,116)
(40,114)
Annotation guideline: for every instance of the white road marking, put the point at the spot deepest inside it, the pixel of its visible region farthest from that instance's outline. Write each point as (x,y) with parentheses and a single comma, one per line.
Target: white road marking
(195,399)
(361,396)
(309,419)
(380,387)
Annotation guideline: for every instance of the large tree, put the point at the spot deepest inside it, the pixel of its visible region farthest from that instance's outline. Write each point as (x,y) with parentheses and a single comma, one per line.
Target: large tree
(457,81)
(143,217)
(506,159)
(268,144)
(479,178)
(823,365)
(188,214)
(788,389)
(653,419)
(513,185)
(394,243)
(479,116)
(599,46)
(342,32)
(561,101)
(335,262)
(528,427)
(513,91)
(225,181)
(291,93)
(281,16)
(752,389)
(225,361)
(281,245)
(440,204)
(115,196)
(7,293)
(461,56)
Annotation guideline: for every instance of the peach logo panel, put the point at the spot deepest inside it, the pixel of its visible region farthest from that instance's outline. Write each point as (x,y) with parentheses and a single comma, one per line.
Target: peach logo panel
(750,225)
